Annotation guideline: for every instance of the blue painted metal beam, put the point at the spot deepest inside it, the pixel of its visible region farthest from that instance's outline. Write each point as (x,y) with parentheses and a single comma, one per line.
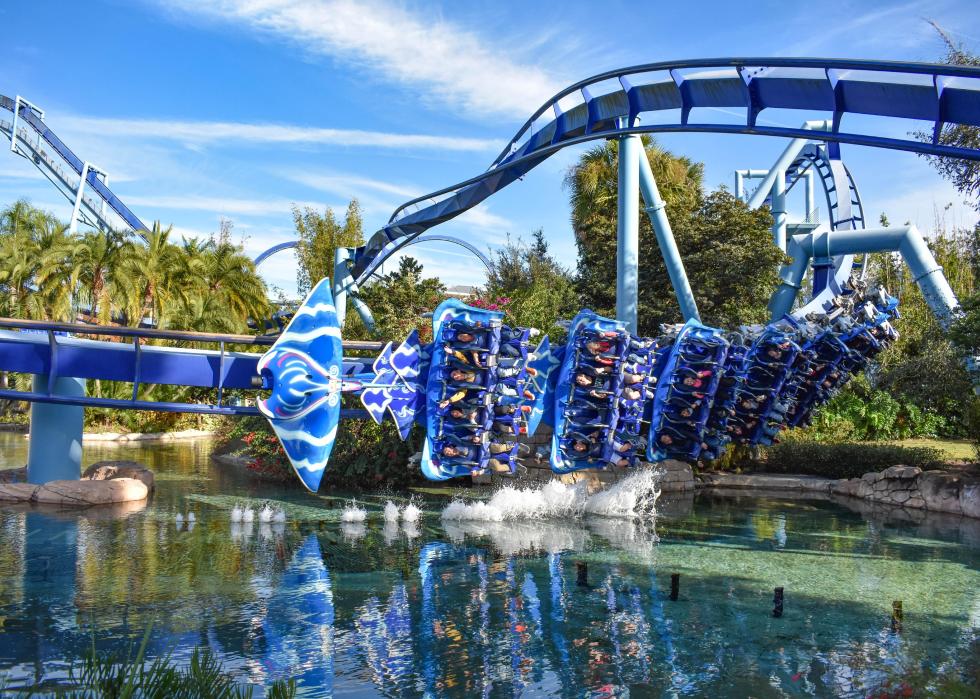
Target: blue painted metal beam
(696,91)
(628,230)
(907,240)
(657,211)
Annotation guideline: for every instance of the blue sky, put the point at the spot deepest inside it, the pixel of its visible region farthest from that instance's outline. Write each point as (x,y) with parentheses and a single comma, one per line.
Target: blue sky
(239,108)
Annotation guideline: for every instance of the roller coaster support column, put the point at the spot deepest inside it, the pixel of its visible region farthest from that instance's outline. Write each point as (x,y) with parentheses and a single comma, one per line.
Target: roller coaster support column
(656,210)
(821,246)
(775,182)
(55,449)
(344,286)
(628,231)
(77,211)
(779,212)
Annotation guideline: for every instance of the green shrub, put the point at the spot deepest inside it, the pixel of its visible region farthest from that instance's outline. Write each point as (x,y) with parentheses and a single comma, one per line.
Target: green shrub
(364,455)
(113,675)
(845,460)
(861,413)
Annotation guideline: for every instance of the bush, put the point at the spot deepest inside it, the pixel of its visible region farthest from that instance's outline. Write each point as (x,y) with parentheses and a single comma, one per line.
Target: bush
(862,413)
(364,455)
(845,460)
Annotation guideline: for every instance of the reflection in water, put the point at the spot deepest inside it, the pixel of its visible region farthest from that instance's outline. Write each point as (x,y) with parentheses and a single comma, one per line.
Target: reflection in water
(477,608)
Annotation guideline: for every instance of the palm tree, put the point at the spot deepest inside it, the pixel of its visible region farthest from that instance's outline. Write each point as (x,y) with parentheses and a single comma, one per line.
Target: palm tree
(26,234)
(156,275)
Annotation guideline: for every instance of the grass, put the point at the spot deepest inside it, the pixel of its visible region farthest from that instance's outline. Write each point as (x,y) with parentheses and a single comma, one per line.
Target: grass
(952,449)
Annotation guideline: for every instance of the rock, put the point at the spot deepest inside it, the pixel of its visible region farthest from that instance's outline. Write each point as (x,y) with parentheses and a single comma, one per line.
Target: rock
(915,501)
(110,470)
(675,476)
(970,498)
(870,477)
(17,492)
(941,491)
(901,472)
(83,493)
(900,497)
(13,475)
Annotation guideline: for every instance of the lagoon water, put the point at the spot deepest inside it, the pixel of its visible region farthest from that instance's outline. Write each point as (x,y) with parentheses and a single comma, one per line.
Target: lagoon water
(468,607)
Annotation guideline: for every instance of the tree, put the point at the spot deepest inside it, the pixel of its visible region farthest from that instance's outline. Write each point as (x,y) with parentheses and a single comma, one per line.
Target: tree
(923,366)
(159,275)
(730,259)
(964,174)
(399,299)
(319,237)
(26,234)
(539,291)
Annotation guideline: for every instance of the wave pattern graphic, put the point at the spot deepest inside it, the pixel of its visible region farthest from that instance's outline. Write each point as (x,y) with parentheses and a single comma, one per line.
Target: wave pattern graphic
(304,370)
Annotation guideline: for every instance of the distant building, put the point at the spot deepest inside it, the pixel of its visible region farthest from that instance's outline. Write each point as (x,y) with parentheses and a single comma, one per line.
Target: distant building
(461,291)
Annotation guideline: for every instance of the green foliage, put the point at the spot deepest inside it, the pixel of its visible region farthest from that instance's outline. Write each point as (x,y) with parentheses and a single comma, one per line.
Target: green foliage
(397,300)
(117,676)
(845,459)
(923,367)
(863,413)
(319,237)
(964,174)
(49,274)
(365,454)
(537,289)
(727,248)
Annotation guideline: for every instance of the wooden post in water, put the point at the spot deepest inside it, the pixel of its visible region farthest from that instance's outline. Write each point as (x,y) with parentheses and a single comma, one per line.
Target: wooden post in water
(675,586)
(897,615)
(777,602)
(582,574)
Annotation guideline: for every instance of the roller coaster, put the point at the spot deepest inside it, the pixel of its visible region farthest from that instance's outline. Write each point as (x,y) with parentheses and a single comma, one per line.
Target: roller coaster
(611,396)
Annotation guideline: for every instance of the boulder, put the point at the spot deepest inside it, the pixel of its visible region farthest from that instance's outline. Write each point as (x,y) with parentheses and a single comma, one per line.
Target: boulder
(87,492)
(675,476)
(17,492)
(970,497)
(110,470)
(82,493)
(13,475)
(941,491)
(901,472)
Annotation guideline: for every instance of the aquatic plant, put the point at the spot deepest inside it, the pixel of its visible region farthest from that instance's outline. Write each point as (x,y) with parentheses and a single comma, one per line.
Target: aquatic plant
(123,676)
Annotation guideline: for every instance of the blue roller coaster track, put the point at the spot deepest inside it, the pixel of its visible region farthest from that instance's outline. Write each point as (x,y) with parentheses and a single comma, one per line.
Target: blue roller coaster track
(697,96)
(31,138)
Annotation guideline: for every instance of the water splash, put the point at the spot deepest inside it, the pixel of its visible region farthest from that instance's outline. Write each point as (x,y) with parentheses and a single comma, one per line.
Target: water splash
(412,512)
(516,537)
(391,512)
(353,513)
(634,496)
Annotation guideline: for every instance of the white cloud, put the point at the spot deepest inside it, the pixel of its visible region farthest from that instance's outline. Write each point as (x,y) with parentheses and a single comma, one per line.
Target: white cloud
(222,205)
(198,133)
(452,64)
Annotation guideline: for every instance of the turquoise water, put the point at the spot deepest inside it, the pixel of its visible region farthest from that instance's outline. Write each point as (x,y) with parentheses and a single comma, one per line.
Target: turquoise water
(490,609)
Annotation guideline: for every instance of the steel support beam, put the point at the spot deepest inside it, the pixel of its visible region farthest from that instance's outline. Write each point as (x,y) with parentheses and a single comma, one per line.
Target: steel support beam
(906,240)
(779,212)
(55,449)
(656,210)
(628,231)
(345,289)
